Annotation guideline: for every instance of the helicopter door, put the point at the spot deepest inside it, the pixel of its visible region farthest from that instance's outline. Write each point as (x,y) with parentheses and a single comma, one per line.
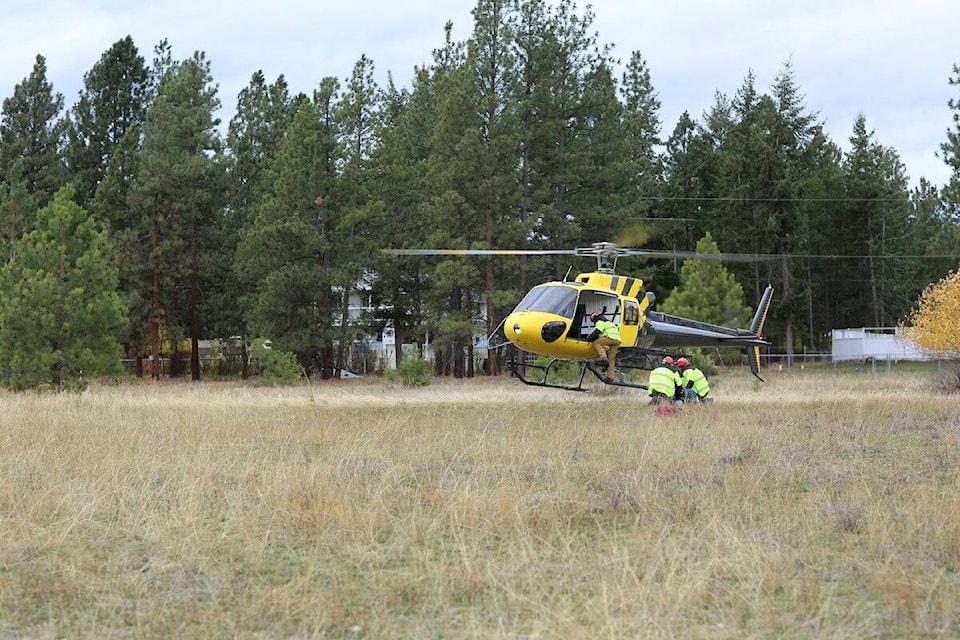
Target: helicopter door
(575,325)
(608,305)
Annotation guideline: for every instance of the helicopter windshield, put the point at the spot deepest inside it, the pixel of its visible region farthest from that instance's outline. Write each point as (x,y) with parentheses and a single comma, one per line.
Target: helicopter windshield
(559,301)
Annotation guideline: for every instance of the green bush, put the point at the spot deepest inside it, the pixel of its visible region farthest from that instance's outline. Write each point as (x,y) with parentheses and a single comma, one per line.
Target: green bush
(413,371)
(277,367)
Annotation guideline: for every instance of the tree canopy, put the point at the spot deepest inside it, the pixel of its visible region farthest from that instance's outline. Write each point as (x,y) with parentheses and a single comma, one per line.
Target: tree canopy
(708,291)
(528,134)
(933,323)
(60,313)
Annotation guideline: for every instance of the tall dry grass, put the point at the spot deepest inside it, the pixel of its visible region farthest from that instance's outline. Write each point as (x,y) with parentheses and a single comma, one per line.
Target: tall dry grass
(821,504)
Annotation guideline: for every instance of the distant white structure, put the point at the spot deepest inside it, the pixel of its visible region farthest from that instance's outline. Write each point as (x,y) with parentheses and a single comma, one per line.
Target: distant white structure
(877,343)
(384,346)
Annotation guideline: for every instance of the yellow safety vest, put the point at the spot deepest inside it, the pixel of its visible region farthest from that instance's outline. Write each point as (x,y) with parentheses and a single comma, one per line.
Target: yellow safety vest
(663,380)
(608,330)
(698,380)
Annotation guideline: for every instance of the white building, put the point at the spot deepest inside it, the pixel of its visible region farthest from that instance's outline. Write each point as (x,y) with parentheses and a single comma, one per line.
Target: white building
(876,343)
(384,346)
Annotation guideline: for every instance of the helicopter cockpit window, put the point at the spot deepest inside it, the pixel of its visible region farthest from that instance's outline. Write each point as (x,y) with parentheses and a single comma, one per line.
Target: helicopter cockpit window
(560,301)
(631,312)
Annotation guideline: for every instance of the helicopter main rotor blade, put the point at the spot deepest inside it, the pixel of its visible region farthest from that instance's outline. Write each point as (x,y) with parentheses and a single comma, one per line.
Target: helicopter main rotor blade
(606,250)
(478,252)
(684,255)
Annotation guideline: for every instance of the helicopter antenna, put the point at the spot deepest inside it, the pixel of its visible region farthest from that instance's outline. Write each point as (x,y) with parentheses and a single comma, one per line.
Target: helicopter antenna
(567,274)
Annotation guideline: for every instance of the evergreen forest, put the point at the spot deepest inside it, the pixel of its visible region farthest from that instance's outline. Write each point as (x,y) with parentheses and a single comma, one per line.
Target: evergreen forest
(139,207)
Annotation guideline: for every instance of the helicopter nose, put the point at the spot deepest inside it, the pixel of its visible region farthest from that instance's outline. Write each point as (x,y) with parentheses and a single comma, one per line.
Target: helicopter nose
(526,330)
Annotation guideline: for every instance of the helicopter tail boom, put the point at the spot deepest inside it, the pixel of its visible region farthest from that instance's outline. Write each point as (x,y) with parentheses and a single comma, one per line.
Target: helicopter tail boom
(676,331)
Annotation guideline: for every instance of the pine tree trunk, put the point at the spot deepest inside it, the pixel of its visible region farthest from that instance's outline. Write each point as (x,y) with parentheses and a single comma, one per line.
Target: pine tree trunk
(397,343)
(342,349)
(155,308)
(194,313)
(789,321)
(491,327)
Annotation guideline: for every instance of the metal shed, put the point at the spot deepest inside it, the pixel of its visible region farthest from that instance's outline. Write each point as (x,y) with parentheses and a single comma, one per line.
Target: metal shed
(876,343)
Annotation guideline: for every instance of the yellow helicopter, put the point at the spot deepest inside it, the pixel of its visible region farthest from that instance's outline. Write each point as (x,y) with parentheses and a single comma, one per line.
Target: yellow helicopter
(553,319)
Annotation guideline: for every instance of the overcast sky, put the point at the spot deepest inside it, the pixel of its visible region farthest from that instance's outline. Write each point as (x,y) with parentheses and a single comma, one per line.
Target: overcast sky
(889,59)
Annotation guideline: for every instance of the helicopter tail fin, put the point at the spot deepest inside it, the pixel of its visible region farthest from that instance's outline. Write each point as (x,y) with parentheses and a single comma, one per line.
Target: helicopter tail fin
(756,328)
(753,356)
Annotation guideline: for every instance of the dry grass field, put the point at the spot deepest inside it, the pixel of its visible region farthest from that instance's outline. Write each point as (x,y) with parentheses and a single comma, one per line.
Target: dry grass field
(822,504)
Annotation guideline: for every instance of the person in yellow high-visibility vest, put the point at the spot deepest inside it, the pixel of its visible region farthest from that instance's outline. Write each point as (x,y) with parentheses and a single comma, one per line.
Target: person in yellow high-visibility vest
(692,381)
(608,343)
(663,382)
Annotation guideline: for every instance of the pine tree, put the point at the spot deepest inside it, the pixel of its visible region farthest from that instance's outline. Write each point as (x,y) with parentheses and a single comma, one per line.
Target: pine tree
(492,146)
(641,129)
(18,211)
(815,280)
(453,182)
(31,135)
(112,105)
(178,189)
(565,89)
(950,153)
(622,167)
(877,225)
(397,290)
(60,313)
(769,166)
(263,114)
(284,256)
(689,162)
(116,200)
(357,113)
(254,134)
(708,291)
(935,233)
(111,206)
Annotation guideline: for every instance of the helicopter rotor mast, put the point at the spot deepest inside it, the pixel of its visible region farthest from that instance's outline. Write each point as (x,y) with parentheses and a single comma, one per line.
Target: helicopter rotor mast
(606,254)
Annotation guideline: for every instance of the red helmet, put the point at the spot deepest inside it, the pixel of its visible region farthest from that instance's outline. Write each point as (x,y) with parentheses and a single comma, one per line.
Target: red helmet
(594,316)
(668,360)
(682,362)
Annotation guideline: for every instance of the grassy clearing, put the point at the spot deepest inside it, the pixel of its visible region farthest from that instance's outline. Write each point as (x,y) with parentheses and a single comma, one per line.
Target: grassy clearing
(821,504)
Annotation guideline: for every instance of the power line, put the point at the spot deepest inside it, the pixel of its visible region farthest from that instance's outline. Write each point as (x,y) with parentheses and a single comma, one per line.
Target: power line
(891,256)
(772,257)
(738,199)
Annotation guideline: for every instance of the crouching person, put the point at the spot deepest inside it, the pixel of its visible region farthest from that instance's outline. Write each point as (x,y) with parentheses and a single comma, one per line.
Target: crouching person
(692,381)
(663,382)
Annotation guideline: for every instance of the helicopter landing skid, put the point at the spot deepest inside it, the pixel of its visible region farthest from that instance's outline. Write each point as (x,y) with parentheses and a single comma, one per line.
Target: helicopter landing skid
(520,370)
(619,381)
